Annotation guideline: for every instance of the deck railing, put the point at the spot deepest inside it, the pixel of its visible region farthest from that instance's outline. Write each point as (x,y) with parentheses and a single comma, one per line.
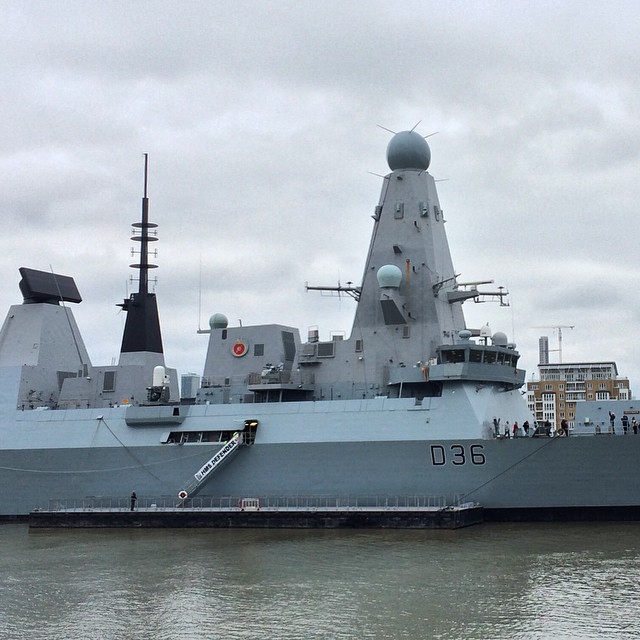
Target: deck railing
(272,503)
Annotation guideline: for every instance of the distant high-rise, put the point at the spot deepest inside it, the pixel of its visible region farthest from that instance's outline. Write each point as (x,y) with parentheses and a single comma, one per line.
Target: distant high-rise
(543,350)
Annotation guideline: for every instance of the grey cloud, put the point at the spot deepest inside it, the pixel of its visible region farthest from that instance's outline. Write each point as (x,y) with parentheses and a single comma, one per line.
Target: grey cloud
(260,123)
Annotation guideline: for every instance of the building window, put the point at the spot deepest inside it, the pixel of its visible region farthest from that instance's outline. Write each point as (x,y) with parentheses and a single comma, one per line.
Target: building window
(258,349)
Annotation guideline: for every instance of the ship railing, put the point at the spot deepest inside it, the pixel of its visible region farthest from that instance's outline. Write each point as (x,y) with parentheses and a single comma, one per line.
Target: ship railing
(271,503)
(222,381)
(270,377)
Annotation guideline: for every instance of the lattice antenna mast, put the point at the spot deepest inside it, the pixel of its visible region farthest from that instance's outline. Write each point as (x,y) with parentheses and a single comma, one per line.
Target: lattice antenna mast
(145,236)
(142,327)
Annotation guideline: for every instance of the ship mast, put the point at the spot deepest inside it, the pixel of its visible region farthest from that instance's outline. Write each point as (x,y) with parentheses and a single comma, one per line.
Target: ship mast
(142,327)
(144,237)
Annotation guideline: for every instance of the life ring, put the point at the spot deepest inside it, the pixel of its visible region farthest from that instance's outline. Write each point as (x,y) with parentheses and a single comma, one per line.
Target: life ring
(182,495)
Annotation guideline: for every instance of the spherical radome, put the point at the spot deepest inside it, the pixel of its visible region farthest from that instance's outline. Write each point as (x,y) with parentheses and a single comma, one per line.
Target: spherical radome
(218,321)
(389,276)
(499,339)
(408,150)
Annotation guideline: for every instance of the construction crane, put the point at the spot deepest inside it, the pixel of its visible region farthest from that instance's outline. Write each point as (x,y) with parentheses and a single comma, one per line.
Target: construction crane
(558,328)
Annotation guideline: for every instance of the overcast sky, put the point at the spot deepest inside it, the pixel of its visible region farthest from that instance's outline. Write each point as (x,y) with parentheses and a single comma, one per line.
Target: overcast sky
(260,119)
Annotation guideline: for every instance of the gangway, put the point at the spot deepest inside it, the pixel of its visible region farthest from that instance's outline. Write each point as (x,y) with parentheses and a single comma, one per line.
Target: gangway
(246,437)
(200,476)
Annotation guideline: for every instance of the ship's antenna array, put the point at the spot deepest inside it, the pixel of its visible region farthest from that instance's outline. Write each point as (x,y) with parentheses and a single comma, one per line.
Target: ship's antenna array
(350,290)
(142,327)
(144,233)
(412,129)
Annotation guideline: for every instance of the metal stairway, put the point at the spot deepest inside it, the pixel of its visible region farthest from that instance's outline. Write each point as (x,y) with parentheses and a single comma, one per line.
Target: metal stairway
(246,438)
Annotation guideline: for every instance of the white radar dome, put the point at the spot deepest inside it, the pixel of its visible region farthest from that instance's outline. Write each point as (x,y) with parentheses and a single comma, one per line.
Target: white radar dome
(158,376)
(218,321)
(389,276)
(499,339)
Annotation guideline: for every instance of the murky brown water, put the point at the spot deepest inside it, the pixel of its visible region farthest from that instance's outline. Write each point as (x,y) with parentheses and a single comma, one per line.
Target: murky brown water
(491,582)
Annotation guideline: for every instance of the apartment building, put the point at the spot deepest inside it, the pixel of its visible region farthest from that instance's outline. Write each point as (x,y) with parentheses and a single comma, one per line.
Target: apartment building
(554,395)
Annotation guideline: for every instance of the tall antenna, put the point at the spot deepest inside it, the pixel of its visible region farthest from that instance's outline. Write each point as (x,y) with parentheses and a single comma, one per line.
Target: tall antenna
(144,236)
(142,327)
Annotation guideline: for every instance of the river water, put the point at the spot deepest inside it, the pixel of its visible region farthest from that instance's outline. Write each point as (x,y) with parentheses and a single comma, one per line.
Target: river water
(492,581)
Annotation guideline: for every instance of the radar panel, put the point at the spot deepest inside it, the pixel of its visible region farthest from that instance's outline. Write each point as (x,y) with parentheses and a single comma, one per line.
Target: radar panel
(44,286)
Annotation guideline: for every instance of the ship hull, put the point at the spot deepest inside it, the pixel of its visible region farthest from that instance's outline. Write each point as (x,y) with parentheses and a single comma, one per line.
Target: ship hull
(518,475)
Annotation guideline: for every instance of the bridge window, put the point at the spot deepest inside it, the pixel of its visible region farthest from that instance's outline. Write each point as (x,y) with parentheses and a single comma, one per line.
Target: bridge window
(454,355)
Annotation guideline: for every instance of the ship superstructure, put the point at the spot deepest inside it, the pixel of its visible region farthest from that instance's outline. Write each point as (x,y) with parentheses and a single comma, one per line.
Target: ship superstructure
(408,335)
(412,403)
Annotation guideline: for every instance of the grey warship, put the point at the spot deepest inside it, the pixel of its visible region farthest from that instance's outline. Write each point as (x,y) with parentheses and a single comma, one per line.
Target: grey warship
(412,403)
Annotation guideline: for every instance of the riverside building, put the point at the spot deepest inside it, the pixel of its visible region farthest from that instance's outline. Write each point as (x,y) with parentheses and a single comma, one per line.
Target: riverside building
(559,387)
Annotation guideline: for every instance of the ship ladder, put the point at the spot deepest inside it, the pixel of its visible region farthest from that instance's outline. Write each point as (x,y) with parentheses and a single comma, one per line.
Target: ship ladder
(202,475)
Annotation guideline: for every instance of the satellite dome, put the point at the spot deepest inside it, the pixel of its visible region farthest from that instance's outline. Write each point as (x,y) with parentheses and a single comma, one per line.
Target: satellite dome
(499,339)
(389,276)
(218,321)
(408,150)
(464,335)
